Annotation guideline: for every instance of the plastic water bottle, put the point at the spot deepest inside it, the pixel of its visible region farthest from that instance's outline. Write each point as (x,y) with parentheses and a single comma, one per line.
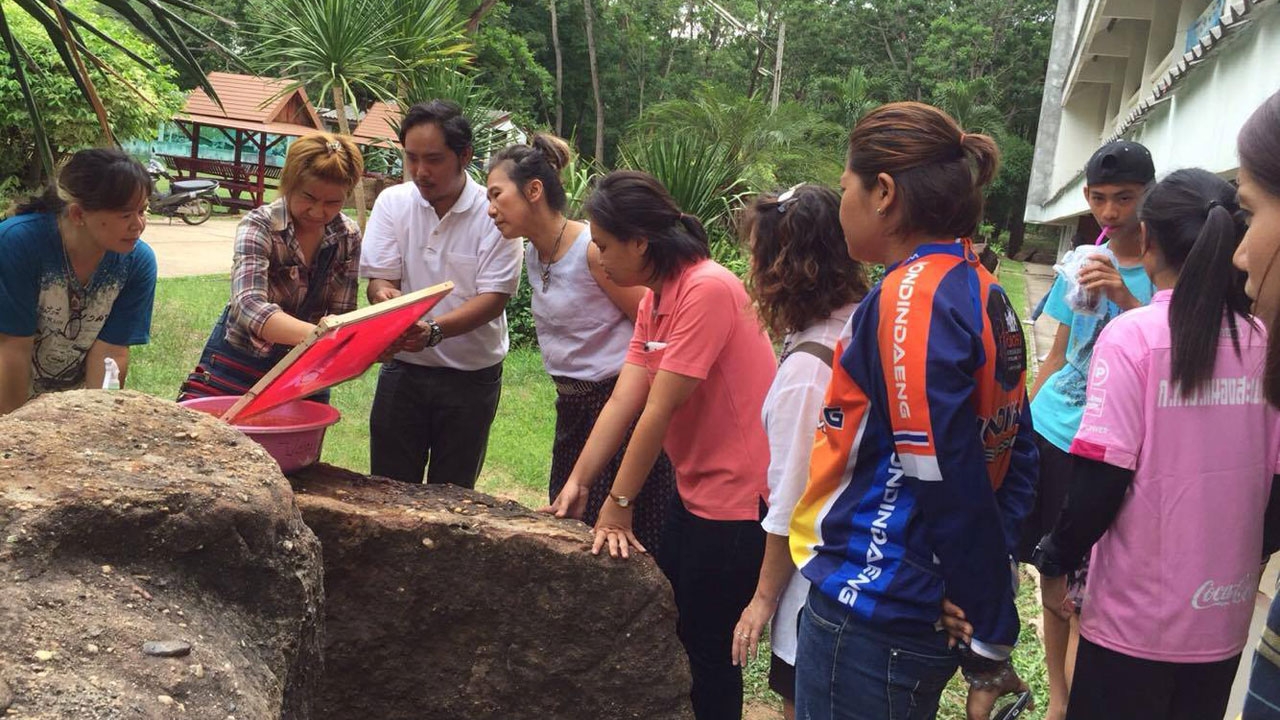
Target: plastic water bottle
(111,378)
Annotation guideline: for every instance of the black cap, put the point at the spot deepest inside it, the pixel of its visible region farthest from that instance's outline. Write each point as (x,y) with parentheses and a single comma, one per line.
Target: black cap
(1118,162)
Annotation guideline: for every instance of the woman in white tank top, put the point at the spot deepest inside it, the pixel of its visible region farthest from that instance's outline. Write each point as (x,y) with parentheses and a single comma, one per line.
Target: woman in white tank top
(584,321)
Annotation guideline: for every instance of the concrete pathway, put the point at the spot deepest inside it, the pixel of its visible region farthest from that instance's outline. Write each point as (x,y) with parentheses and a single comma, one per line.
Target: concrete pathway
(1039,280)
(183,249)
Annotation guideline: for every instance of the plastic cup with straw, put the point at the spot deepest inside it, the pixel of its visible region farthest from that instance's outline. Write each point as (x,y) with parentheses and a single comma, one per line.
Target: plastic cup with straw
(1093,296)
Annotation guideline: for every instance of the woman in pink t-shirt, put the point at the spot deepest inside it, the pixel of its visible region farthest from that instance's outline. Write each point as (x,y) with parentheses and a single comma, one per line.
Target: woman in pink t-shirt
(1176,456)
(696,375)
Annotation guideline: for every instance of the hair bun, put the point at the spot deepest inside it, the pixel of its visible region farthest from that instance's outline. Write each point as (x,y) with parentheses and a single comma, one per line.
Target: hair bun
(554,149)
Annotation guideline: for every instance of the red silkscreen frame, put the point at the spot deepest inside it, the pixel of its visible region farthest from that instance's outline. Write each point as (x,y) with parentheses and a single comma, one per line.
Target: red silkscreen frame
(340,348)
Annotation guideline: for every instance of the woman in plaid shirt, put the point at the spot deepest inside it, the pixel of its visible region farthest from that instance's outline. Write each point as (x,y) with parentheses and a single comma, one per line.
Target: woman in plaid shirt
(295,262)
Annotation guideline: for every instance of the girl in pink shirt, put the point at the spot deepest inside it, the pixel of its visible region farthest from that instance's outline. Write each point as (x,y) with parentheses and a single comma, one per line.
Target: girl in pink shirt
(1177,451)
(696,376)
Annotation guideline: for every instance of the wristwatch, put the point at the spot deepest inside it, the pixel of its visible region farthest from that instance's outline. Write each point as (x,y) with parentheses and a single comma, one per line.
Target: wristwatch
(623,502)
(436,333)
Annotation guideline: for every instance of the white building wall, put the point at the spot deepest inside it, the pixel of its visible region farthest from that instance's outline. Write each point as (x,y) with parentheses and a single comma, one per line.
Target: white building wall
(1195,126)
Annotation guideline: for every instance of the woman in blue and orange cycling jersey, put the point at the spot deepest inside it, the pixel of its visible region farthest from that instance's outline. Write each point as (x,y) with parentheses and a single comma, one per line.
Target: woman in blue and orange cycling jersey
(923,467)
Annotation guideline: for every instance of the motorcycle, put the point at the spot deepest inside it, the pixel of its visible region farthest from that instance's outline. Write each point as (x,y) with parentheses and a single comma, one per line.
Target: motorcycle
(191,200)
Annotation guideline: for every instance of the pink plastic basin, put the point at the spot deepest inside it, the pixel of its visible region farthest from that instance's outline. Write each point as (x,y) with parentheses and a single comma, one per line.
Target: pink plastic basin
(292,433)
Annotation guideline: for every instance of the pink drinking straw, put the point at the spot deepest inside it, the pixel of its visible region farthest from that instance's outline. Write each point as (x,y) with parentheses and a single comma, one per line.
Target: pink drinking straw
(1101,235)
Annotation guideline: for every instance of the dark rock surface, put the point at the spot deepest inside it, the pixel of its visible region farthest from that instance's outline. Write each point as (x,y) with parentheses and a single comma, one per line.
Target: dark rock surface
(126,519)
(445,603)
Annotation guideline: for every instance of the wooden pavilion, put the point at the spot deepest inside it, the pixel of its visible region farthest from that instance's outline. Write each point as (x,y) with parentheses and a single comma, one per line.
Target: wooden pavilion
(255,117)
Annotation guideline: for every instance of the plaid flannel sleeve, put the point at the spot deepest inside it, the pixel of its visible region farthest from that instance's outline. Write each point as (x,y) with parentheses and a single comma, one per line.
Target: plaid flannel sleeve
(344,294)
(250,304)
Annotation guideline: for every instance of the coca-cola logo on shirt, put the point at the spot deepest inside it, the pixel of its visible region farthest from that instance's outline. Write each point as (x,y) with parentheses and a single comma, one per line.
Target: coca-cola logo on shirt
(1210,594)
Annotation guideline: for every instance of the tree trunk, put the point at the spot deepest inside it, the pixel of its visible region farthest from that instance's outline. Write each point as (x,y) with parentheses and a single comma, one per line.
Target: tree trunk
(473,22)
(344,127)
(666,69)
(1017,232)
(777,68)
(555,43)
(595,82)
(755,67)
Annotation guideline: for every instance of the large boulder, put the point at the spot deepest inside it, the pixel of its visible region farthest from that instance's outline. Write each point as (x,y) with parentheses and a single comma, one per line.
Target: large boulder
(154,563)
(445,603)
(127,522)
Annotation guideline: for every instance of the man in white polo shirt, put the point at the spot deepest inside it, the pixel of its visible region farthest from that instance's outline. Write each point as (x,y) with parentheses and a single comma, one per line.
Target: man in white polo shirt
(436,400)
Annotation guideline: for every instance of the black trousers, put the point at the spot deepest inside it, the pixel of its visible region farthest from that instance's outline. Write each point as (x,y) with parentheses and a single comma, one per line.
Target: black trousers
(713,566)
(433,420)
(1109,685)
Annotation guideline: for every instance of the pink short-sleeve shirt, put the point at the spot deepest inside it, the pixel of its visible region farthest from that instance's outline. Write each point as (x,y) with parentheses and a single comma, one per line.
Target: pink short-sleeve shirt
(705,327)
(1174,577)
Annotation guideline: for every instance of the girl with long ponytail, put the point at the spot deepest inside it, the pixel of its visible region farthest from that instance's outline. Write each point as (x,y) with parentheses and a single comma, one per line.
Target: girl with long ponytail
(1177,438)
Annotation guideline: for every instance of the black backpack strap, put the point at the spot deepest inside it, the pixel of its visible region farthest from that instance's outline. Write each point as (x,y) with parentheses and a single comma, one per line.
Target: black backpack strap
(822,352)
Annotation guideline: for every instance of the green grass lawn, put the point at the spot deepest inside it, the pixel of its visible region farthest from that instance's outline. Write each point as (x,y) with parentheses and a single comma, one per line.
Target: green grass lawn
(519,459)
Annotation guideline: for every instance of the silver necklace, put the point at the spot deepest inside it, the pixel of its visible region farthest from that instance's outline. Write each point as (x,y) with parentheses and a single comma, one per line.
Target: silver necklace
(546,269)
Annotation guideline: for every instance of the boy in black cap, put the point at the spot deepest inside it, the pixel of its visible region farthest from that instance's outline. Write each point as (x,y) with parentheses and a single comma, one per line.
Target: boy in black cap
(1116,177)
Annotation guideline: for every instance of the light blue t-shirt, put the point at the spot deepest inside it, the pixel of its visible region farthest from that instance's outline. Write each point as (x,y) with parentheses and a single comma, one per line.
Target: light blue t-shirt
(36,299)
(1058,408)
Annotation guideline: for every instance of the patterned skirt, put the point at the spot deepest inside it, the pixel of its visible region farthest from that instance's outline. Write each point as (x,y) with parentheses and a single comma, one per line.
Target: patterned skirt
(578,404)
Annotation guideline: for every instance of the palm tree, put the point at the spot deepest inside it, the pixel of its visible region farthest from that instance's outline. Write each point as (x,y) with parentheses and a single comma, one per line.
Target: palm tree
(64,27)
(759,140)
(345,47)
(846,99)
(971,103)
(479,105)
(429,36)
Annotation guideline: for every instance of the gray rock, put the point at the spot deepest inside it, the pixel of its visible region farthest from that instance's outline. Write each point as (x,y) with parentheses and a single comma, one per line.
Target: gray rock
(166,648)
(6,696)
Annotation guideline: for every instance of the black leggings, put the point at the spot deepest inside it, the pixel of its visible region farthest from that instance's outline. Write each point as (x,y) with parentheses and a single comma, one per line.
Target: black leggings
(1110,685)
(713,566)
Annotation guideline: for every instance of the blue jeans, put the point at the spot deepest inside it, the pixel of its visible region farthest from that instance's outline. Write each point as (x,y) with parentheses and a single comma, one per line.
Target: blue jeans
(225,369)
(849,669)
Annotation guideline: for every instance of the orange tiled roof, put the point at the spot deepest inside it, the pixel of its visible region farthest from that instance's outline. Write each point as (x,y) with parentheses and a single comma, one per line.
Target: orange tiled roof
(248,101)
(375,128)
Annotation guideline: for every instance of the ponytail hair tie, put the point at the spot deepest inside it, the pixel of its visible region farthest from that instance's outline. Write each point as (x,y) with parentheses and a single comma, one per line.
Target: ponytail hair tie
(334,146)
(1228,206)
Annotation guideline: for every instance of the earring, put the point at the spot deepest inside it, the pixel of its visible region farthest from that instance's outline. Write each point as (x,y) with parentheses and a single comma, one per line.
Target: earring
(880,211)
